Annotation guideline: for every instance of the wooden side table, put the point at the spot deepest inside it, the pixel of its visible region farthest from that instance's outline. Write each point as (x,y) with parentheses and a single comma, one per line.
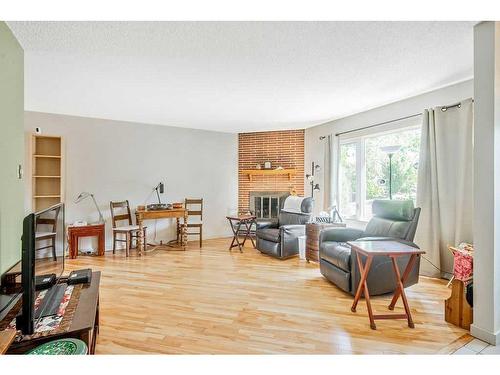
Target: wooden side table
(313,231)
(236,222)
(393,250)
(93,230)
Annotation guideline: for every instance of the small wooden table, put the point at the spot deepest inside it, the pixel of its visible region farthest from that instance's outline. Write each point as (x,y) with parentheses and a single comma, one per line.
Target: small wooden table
(313,230)
(393,250)
(92,230)
(176,213)
(236,222)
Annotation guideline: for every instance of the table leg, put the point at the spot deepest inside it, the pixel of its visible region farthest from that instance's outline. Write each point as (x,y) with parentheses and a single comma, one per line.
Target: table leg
(364,274)
(363,288)
(406,273)
(178,229)
(248,226)
(184,231)
(127,244)
(235,235)
(75,246)
(101,243)
(402,290)
(70,246)
(141,246)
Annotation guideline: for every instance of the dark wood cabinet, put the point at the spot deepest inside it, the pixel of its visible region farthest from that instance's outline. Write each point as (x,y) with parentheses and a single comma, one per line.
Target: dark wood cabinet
(313,231)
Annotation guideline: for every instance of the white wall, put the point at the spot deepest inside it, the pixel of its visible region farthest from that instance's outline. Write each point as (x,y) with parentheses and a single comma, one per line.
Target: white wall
(314,148)
(118,160)
(486,325)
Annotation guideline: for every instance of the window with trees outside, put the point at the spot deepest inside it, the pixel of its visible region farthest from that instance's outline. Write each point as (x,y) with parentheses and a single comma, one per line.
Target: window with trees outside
(364,169)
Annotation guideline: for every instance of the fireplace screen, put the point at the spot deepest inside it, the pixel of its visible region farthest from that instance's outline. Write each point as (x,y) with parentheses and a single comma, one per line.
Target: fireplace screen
(267,205)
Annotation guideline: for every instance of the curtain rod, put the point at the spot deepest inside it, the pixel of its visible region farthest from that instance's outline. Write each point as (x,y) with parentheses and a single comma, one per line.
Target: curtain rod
(378,124)
(443,108)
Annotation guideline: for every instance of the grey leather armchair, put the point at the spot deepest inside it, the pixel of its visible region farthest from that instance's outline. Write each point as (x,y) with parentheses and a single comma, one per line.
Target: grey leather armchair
(392,220)
(280,239)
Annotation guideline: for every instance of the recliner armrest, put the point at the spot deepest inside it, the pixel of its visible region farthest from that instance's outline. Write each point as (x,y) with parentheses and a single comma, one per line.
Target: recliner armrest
(293,229)
(340,234)
(266,224)
(288,235)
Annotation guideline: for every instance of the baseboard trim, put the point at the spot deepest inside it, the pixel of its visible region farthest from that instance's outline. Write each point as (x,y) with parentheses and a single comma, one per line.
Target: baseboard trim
(489,337)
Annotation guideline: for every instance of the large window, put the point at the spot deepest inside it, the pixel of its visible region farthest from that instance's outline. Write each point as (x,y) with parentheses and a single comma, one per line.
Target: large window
(364,166)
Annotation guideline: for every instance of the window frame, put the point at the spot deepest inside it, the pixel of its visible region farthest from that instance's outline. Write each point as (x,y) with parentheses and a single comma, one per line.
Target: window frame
(359,139)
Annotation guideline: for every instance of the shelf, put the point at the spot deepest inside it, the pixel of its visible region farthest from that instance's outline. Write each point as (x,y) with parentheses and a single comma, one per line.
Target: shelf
(268,172)
(47,167)
(48,156)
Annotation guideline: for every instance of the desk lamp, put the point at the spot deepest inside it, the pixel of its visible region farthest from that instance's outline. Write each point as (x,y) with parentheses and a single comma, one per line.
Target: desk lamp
(84,195)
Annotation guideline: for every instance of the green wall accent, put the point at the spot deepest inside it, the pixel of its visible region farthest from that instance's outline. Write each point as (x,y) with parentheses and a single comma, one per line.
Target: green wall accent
(11,147)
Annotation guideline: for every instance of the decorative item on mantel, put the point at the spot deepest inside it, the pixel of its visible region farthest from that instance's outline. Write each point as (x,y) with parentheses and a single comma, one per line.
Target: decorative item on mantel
(258,166)
(267,165)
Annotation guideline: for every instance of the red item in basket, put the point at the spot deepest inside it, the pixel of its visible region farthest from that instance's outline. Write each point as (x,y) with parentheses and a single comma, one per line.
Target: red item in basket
(462,264)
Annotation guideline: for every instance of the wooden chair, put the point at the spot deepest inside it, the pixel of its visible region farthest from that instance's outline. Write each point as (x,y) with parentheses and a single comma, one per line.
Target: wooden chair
(130,231)
(191,212)
(49,235)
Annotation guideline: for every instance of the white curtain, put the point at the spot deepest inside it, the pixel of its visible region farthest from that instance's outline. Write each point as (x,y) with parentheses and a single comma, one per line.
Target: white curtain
(330,177)
(444,187)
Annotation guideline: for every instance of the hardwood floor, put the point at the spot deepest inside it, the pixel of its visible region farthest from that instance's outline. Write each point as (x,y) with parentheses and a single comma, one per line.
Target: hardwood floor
(216,302)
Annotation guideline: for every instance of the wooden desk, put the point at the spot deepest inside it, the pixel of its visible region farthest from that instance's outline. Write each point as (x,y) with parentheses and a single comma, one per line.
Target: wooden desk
(393,250)
(93,230)
(176,213)
(6,338)
(84,326)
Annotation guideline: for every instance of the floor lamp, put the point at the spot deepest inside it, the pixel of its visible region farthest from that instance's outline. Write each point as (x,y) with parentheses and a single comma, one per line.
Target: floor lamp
(390,151)
(310,178)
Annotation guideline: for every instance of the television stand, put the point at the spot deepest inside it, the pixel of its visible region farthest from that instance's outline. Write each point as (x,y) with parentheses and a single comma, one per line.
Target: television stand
(84,325)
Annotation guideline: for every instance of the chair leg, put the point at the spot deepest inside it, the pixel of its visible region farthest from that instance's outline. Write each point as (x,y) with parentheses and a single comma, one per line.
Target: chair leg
(145,238)
(178,230)
(54,249)
(127,244)
(114,242)
(201,237)
(130,240)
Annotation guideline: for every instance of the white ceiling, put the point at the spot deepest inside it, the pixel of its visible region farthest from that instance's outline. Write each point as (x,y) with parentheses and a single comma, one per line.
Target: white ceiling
(236,76)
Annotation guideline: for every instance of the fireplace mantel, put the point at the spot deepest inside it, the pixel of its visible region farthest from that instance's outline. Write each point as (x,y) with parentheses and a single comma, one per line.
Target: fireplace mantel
(264,172)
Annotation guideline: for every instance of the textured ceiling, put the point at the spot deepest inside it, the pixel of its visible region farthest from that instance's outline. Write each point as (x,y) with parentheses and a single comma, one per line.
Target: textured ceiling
(236,76)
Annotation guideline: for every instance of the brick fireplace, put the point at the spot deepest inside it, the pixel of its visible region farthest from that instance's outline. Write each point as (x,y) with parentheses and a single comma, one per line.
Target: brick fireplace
(281,148)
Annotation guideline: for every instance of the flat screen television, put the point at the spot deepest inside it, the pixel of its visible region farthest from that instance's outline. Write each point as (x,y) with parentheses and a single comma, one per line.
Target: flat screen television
(42,260)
